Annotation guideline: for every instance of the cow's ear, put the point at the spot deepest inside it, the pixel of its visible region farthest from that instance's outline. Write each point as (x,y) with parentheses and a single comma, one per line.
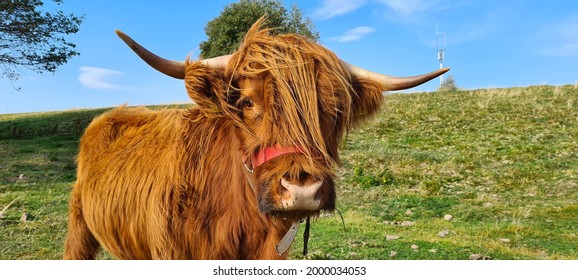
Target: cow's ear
(205,85)
(366,100)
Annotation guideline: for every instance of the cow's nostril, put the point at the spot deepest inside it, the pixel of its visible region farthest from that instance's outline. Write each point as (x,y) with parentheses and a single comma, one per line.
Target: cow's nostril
(303,178)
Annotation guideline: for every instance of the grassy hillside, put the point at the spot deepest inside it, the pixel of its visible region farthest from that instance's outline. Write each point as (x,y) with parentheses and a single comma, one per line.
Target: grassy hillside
(503,163)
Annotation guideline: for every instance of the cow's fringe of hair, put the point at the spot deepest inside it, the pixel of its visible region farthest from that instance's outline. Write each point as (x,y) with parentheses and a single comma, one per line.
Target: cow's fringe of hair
(307,79)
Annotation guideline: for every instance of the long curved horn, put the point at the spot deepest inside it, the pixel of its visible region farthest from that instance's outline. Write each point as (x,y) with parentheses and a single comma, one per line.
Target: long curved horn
(391,82)
(219,62)
(173,68)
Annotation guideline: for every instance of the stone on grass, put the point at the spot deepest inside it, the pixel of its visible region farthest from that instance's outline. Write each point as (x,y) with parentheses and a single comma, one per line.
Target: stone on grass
(25,217)
(443,233)
(479,257)
(406,224)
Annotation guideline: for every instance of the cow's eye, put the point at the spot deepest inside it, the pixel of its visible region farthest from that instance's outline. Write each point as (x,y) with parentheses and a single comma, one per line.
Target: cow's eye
(246,103)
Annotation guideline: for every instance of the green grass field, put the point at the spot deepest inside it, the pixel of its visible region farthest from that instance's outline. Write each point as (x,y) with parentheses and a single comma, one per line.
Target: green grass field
(502,162)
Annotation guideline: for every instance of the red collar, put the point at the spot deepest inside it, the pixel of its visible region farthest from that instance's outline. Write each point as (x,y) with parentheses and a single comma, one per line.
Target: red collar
(270,153)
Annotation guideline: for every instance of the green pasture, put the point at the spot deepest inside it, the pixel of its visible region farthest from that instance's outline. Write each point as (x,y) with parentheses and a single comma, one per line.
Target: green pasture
(502,162)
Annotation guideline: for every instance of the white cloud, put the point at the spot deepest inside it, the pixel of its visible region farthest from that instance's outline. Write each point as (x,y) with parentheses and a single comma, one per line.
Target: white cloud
(559,39)
(409,7)
(97,78)
(333,8)
(353,34)
(566,49)
(414,11)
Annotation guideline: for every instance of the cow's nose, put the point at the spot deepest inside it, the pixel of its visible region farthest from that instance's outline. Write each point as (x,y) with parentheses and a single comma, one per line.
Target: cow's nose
(302,178)
(301,193)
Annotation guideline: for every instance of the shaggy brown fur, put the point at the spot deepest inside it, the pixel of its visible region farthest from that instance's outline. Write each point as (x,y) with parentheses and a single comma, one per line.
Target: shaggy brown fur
(170,184)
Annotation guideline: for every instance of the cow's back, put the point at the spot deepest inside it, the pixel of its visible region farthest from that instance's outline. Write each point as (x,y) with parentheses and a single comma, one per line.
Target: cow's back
(126,165)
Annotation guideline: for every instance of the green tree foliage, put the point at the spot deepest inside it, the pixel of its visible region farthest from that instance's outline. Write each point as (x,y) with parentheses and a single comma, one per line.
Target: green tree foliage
(449,84)
(225,32)
(34,39)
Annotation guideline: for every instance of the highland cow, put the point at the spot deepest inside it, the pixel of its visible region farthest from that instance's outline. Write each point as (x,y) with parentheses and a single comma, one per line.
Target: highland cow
(233,175)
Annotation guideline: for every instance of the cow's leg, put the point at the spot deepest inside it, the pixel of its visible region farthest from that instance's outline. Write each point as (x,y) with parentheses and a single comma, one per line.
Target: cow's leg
(80,242)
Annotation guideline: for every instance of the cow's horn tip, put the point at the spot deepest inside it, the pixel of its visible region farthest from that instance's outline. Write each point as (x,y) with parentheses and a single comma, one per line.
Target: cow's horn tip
(119,32)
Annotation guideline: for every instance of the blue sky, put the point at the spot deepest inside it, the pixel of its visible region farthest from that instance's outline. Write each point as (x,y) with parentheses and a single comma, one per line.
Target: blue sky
(491,43)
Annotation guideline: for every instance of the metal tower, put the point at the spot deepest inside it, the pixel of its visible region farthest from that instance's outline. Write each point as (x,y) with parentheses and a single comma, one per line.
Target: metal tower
(440,51)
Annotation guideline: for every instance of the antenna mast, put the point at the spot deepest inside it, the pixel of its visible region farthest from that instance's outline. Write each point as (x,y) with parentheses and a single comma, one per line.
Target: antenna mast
(440,52)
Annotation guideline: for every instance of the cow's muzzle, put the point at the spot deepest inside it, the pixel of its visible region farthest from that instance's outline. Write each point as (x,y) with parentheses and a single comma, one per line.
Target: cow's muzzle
(289,182)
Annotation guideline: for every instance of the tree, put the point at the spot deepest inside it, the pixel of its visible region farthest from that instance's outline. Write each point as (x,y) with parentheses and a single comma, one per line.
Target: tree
(225,32)
(34,39)
(449,84)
